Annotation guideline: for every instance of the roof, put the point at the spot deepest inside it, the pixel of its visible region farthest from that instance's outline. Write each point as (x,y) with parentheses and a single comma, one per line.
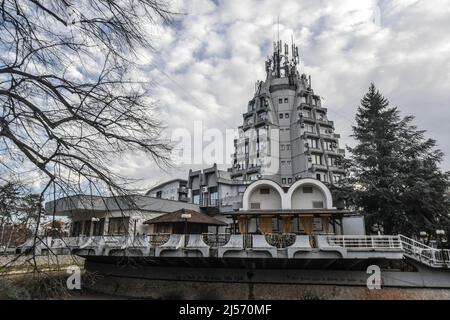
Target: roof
(196,217)
(159,186)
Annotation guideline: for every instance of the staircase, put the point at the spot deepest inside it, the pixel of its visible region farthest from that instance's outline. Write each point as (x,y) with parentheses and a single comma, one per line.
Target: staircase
(435,258)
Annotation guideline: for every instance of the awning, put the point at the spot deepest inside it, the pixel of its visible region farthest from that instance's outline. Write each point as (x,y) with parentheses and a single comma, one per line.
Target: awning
(196,217)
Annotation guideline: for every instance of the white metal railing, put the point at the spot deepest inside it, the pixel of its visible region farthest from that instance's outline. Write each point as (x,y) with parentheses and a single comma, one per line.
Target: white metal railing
(365,242)
(425,254)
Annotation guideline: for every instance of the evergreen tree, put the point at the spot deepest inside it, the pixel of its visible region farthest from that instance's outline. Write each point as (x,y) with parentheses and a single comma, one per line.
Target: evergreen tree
(395,174)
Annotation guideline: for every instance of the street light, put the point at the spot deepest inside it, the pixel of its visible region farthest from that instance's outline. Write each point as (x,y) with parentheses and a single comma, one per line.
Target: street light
(423,236)
(441,234)
(185,216)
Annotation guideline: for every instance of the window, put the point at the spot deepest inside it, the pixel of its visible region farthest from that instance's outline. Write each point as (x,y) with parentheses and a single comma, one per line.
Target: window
(286,115)
(336,178)
(289,180)
(87,228)
(264,191)
(317,204)
(281,116)
(98,227)
(75,229)
(317,159)
(255,205)
(196,194)
(288,147)
(307,113)
(313,143)
(286,100)
(280,100)
(309,128)
(282,147)
(304,99)
(307,189)
(118,225)
(159,194)
(332,161)
(318,176)
(283,181)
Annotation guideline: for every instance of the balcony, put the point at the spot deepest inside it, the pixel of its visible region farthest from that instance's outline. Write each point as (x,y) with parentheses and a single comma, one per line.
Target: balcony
(262,108)
(182,190)
(248,114)
(326,123)
(304,105)
(260,122)
(319,167)
(321,110)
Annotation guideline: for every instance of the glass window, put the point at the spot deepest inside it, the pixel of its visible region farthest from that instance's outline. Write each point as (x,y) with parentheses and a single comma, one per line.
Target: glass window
(283,181)
(286,115)
(118,226)
(99,227)
(281,116)
(286,100)
(280,100)
(264,191)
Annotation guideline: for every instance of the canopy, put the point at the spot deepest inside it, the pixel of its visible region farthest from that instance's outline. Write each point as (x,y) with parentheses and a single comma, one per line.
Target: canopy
(196,217)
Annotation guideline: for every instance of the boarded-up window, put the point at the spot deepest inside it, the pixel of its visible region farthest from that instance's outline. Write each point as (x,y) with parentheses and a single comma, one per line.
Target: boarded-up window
(255,205)
(317,204)
(264,191)
(307,189)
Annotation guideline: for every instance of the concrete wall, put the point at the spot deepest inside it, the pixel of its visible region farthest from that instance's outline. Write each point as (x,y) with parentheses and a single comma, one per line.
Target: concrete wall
(302,200)
(243,284)
(266,201)
(168,191)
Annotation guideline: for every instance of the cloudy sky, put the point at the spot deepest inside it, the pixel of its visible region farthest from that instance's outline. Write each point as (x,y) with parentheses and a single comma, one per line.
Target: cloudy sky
(207,63)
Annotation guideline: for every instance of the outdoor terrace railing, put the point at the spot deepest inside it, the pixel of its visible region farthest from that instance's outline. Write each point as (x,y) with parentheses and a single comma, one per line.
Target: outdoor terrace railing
(426,254)
(157,239)
(280,240)
(216,240)
(365,242)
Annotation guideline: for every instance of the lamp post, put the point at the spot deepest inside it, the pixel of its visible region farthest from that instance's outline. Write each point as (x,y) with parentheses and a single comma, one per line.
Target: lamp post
(423,236)
(441,234)
(185,216)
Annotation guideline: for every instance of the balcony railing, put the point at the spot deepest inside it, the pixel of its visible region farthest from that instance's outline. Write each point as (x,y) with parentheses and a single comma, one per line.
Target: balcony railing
(280,240)
(216,240)
(158,239)
(365,242)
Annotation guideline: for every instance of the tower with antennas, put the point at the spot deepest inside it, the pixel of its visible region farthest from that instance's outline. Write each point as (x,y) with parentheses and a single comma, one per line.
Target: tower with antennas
(286,134)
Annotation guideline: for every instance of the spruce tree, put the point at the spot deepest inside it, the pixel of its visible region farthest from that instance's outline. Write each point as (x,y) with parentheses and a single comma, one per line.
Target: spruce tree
(395,171)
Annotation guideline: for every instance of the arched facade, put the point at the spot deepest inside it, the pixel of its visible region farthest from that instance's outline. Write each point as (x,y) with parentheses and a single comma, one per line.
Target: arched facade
(308,194)
(273,200)
(297,197)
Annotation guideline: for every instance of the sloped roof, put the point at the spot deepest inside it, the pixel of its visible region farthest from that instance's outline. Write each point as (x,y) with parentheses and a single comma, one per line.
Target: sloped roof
(196,217)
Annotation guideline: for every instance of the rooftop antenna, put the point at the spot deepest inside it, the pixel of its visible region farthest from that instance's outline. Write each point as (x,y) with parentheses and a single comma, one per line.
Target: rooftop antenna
(278,24)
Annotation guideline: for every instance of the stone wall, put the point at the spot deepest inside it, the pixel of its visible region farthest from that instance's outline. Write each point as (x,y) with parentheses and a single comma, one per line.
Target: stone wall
(162,289)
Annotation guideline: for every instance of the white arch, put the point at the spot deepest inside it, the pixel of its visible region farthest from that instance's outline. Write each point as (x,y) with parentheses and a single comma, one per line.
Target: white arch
(308,181)
(259,183)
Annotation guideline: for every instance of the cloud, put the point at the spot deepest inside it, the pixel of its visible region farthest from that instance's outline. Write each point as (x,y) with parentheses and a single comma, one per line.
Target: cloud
(207,63)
